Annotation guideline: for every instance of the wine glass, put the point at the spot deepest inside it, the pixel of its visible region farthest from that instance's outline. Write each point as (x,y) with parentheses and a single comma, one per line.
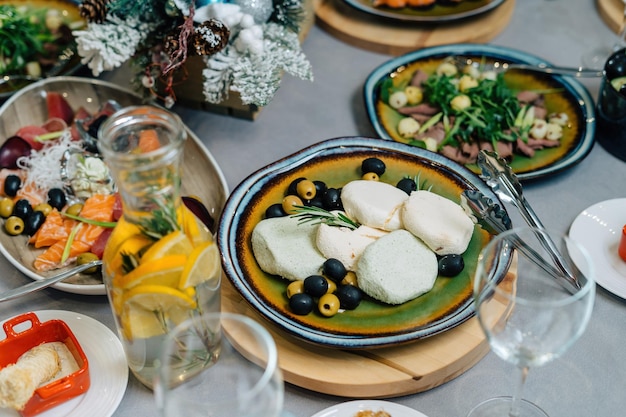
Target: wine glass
(596,57)
(219,365)
(528,315)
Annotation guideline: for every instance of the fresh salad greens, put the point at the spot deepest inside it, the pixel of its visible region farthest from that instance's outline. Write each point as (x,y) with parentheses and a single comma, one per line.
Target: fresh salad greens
(31,38)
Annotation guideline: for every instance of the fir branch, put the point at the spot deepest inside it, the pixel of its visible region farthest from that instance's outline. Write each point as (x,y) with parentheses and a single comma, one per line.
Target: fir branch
(316,215)
(288,13)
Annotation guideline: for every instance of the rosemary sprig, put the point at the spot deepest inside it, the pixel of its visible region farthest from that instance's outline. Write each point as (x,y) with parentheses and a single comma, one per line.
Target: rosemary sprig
(317,215)
(162,221)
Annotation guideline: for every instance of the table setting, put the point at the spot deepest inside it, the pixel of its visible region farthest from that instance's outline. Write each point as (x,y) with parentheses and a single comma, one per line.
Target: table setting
(446,351)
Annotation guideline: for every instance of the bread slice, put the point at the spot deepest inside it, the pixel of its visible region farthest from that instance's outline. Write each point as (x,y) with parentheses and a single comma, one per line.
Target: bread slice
(283,246)
(19,381)
(397,268)
(440,223)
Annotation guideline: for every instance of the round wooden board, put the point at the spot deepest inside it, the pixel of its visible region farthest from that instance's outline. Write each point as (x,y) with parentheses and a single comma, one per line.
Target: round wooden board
(397,37)
(612,12)
(374,373)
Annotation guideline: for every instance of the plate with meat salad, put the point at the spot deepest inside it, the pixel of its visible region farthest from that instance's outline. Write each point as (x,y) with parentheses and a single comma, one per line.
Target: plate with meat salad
(425,10)
(455,100)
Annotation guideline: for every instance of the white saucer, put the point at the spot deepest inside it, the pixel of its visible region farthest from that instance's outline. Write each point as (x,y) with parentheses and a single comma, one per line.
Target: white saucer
(108,369)
(599,229)
(350,408)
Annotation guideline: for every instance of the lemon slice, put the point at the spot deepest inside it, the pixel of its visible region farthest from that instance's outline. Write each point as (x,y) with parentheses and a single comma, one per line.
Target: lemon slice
(175,243)
(139,323)
(165,271)
(202,265)
(194,228)
(131,246)
(158,297)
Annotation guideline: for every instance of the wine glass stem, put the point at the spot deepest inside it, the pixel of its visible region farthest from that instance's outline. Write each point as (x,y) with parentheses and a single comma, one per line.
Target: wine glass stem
(517,394)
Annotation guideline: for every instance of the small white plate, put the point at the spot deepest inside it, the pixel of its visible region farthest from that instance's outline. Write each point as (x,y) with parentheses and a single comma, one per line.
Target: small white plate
(108,369)
(350,408)
(599,229)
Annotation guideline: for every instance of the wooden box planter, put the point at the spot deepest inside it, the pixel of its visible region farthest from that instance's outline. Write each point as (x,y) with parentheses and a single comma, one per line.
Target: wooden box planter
(189,92)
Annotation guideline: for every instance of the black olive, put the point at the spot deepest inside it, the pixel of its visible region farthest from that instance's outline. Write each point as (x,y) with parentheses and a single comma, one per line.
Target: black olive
(451,265)
(301,304)
(34,222)
(315,285)
(332,199)
(22,209)
(373,165)
(315,202)
(292,189)
(334,269)
(275,210)
(56,198)
(320,186)
(12,184)
(349,296)
(407,185)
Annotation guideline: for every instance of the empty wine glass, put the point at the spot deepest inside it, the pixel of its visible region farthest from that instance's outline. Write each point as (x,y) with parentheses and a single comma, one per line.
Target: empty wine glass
(528,316)
(596,57)
(219,365)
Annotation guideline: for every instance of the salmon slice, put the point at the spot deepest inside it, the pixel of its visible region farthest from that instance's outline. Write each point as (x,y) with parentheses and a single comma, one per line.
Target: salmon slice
(31,193)
(99,207)
(51,231)
(51,258)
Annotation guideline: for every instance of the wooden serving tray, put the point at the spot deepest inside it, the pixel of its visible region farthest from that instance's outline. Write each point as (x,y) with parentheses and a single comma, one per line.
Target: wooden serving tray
(612,12)
(371,373)
(393,37)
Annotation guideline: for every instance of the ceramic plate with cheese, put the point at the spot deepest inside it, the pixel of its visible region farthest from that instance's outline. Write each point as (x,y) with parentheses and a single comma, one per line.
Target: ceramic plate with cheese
(373,323)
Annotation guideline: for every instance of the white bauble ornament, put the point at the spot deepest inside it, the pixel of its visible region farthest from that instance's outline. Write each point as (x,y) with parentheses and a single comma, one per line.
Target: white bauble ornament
(260,10)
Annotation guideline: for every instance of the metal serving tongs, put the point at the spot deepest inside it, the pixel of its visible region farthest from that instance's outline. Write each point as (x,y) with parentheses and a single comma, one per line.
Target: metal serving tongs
(500,177)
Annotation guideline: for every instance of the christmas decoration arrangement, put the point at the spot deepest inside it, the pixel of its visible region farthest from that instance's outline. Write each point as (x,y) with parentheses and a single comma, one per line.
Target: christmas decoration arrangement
(246,45)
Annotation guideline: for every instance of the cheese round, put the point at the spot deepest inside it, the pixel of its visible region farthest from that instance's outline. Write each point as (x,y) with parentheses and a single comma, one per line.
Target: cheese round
(345,244)
(440,223)
(283,246)
(373,203)
(397,268)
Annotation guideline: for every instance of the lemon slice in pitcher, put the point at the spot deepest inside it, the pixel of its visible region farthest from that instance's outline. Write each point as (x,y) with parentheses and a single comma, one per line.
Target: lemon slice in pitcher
(202,265)
(164,271)
(175,243)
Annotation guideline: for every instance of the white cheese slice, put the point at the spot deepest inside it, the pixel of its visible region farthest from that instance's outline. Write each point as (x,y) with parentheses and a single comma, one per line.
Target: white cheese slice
(345,244)
(397,268)
(283,246)
(374,203)
(440,223)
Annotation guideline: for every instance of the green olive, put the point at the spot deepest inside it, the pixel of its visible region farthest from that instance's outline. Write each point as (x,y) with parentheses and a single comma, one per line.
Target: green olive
(295,287)
(370,176)
(74,209)
(6,207)
(85,258)
(45,208)
(14,225)
(350,279)
(328,305)
(306,189)
(332,286)
(290,202)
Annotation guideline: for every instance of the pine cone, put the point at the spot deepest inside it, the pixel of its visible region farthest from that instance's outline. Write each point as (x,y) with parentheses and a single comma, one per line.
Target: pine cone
(94,10)
(171,42)
(209,38)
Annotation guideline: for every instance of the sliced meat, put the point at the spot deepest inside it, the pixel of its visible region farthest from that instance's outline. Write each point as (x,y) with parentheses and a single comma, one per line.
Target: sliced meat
(423,108)
(523,148)
(418,78)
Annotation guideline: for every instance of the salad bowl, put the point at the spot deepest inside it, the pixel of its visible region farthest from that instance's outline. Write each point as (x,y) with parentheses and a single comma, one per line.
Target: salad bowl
(201,176)
(372,324)
(562,94)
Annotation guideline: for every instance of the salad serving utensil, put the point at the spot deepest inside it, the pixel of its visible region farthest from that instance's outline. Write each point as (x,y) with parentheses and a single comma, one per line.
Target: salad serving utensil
(497,66)
(500,177)
(46,282)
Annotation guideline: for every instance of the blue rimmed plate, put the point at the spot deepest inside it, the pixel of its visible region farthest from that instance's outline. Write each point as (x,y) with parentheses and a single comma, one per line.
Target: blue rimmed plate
(573,99)
(372,324)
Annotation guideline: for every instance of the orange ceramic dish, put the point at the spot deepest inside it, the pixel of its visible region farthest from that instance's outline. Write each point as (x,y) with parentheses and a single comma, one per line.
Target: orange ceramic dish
(19,342)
